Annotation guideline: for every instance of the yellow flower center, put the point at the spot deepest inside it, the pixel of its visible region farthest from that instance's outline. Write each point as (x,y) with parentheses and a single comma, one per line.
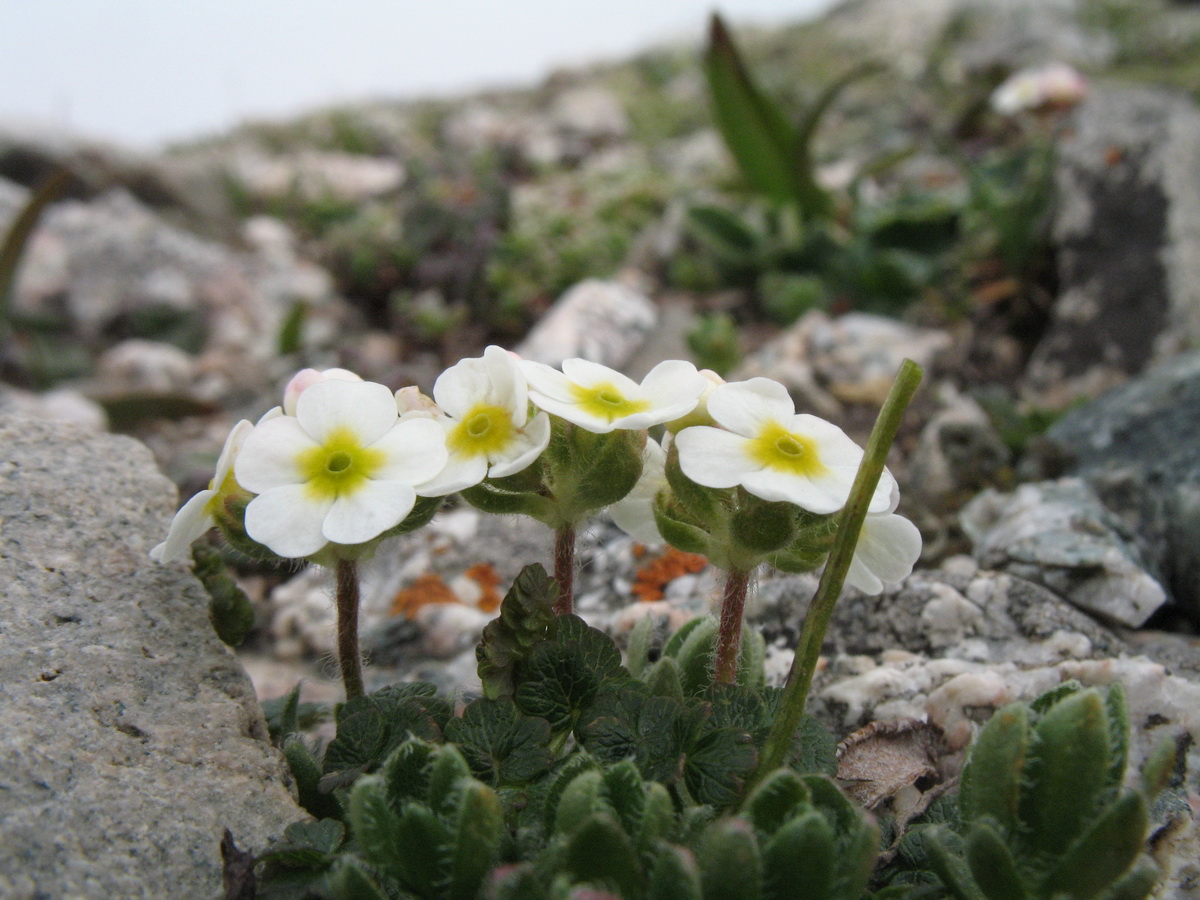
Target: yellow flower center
(339,466)
(604,401)
(779,449)
(484,431)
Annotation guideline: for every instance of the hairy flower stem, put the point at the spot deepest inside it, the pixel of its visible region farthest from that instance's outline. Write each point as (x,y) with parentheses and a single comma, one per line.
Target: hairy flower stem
(816,622)
(564,569)
(347,628)
(729,633)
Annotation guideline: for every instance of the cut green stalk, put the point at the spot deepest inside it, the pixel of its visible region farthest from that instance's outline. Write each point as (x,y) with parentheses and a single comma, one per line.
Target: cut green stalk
(816,622)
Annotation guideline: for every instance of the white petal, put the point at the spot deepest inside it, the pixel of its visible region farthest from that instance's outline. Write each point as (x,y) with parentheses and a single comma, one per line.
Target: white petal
(525,448)
(415,450)
(233,446)
(462,387)
(267,459)
(460,472)
(887,495)
(365,408)
(674,382)
(574,413)
(587,374)
(745,407)
(288,521)
(546,381)
(508,386)
(888,548)
(190,523)
(367,512)
(712,457)
(820,495)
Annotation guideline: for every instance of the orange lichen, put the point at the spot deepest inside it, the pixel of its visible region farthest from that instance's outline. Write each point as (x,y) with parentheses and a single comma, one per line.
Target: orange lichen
(655,575)
(484,574)
(428,588)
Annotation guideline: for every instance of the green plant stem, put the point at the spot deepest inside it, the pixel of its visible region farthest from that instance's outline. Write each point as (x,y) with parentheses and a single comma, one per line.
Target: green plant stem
(816,622)
(347,627)
(729,632)
(564,569)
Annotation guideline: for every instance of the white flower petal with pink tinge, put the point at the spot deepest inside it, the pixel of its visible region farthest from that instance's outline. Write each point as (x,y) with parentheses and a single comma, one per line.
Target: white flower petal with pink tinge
(363,407)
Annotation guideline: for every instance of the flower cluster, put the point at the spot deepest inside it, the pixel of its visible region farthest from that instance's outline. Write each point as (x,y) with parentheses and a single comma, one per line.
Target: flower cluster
(740,475)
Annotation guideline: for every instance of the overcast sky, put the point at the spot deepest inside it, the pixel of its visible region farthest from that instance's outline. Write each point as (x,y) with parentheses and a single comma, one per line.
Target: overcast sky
(143,72)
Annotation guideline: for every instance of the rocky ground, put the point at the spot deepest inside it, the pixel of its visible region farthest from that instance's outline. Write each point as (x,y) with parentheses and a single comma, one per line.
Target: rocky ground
(1052,458)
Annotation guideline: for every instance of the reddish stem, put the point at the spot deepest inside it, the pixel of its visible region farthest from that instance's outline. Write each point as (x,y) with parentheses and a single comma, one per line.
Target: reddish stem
(564,569)
(347,628)
(729,634)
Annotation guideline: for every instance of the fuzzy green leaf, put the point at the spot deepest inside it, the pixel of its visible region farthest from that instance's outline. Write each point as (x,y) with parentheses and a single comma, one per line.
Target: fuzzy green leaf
(406,772)
(499,744)
(800,859)
(775,800)
(525,616)
(858,837)
(307,772)
(350,881)
(675,875)
(717,764)
(423,842)
(1117,710)
(557,686)
(754,128)
(361,743)
(307,845)
(626,792)
(950,867)
(1158,768)
(1066,772)
(599,852)
(1137,885)
(630,723)
(478,830)
(563,775)
(730,864)
(637,652)
(676,641)
(992,864)
(658,816)
(662,679)
(991,778)
(447,769)
(229,609)
(1042,703)
(376,826)
(1104,853)
(493,499)
(283,714)
(583,797)
(814,749)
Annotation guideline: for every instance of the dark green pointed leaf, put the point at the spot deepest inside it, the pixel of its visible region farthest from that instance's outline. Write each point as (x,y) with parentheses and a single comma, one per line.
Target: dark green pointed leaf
(406,772)
(1118,733)
(1105,852)
(754,127)
(599,852)
(478,830)
(801,856)
(991,778)
(282,713)
(628,723)
(525,617)
(675,875)
(637,653)
(582,798)
(350,881)
(940,844)
(775,800)
(662,680)
(446,771)
(1158,768)
(376,827)
(519,882)
(1066,772)
(992,864)
(361,743)
(626,792)
(307,845)
(501,745)
(591,646)
(730,865)
(424,843)
(722,231)
(1137,885)
(307,772)
(658,817)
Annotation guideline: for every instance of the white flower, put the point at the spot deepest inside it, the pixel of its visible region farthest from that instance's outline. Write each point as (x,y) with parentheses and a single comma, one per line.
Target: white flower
(888,547)
(488,428)
(1056,84)
(599,399)
(196,516)
(772,452)
(411,402)
(306,378)
(342,469)
(635,514)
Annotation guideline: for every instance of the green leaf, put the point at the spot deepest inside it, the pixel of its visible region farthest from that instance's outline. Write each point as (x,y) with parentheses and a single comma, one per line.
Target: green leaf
(376,827)
(675,875)
(479,827)
(676,641)
(814,749)
(1104,853)
(1137,885)
(307,845)
(525,617)
(662,680)
(628,722)
(1117,710)
(563,775)
(557,686)
(730,865)
(423,841)
(950,866)
(599,852)
(717,764)
(229,609)
(406,772)
(1066,772)
(775,800)
(696,658)
(582,798)
(658,816)
(992,864)
(626,792)
(724,233)
(447,769)
(754,128)
(1158,768)
(491,498)
(499,744)
(637,652)
(350,881)
(799,860)
(519,882)
(307,772)
(991,777)
(1044,701)
(282,713)
(361,743)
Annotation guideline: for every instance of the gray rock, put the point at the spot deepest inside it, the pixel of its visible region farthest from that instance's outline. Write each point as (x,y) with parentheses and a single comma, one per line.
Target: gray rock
(959,450)
(1127,228)
(1058,534)
(1139,448)
(132,736)
(603,321)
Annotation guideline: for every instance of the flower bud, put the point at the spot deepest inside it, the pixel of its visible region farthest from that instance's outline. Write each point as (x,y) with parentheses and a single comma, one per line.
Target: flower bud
(699,415)
(305,379)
